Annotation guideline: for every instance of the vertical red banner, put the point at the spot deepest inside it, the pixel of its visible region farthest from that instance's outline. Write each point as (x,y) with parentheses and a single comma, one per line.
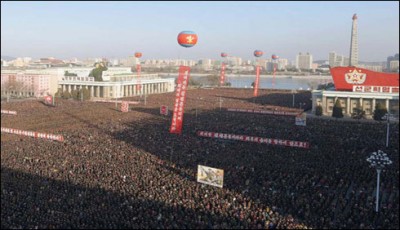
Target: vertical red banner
(257,81)
(138,69)
(222,78)
(180,97)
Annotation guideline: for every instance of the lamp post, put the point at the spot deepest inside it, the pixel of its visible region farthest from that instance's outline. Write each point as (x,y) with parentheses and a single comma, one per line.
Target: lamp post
(8,93)
(387,128)
(378,161)
(293,93)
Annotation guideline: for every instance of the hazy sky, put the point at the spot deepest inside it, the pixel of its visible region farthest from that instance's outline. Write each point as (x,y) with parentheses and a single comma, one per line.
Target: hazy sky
(118,29)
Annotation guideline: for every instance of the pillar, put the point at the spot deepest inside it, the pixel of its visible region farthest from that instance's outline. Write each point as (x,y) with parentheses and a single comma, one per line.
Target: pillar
(348,106)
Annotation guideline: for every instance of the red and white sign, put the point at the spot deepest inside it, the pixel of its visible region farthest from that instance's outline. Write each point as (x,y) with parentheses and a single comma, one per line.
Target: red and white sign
(273,112)
(346,77)
(48,100)
(9,112)
(301,119)
(164,110)
(222,78)
(33,134)
(261,140)
(375,89)
(129,102)
(257,81)
(177,117)
(124,107)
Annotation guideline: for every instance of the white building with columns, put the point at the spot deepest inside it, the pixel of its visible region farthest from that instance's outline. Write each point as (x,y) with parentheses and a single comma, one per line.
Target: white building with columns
(119,86)
(350,100)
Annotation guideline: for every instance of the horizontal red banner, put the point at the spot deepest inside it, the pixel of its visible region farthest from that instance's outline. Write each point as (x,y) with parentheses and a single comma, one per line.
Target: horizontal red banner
(274,112)
(261,140)
(33,134)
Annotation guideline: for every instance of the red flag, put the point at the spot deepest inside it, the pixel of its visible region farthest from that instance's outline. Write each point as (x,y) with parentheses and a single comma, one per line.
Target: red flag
(257,81)
(222,78)
(177,118)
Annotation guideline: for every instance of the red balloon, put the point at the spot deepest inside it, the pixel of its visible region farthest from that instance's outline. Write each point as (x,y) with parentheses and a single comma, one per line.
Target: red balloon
(187,39)
(274,57)
(258,53)
(138,54)
(224,55)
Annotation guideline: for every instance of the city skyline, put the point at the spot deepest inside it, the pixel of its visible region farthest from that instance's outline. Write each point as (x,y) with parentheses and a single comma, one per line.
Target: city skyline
(77,29)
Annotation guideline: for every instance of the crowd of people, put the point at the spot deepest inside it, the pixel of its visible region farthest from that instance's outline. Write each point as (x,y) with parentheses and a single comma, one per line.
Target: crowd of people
(125,170)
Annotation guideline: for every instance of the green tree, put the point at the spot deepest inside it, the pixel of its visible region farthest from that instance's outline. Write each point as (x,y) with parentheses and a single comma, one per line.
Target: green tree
(318,110)
(379,112)
(58,93)
(85,93)
(67,74)
(66,94)
(337,110)
(75,94)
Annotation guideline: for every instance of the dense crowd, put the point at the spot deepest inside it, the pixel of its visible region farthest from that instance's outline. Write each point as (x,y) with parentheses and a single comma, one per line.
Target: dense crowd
(124,170)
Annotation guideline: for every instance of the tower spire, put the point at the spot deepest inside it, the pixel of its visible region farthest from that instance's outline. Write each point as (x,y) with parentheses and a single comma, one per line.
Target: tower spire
(354,43)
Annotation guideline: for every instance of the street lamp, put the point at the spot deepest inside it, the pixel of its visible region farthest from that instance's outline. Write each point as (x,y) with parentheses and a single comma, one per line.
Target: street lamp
(8,93)
(388,115)
(378,161)
(293,93)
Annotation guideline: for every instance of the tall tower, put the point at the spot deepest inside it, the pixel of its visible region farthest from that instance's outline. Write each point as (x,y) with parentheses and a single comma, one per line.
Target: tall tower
(354,43)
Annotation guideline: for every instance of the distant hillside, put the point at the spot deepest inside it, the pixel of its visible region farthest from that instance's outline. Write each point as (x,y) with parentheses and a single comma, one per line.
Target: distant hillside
(7,58)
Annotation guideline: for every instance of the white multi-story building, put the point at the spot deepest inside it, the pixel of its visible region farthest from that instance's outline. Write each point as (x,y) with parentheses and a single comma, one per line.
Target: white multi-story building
(338,60)
(304,61)
(206,64)
(234,61)
(394,66)
(28,84)
(332,59)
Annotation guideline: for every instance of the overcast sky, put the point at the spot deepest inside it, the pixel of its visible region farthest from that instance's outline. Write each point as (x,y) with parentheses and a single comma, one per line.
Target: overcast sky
(118,29)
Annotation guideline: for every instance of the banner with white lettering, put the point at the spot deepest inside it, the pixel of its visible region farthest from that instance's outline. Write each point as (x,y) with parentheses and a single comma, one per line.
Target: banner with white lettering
(301,119)
(9,112)
(33,134)
(261,140)
(273,112)
(210,176)
(180,97)
(375,89)
(222,77)
(257,81)
(111,101)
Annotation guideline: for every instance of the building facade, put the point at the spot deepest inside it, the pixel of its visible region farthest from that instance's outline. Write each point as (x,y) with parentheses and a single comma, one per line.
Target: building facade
(119,86)
(28,84)
(350,100)
(304,61)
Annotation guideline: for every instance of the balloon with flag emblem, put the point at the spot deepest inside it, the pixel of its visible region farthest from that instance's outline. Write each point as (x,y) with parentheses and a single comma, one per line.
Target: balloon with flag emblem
(138,54)
(187,39)
(258,53)
(274,57)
